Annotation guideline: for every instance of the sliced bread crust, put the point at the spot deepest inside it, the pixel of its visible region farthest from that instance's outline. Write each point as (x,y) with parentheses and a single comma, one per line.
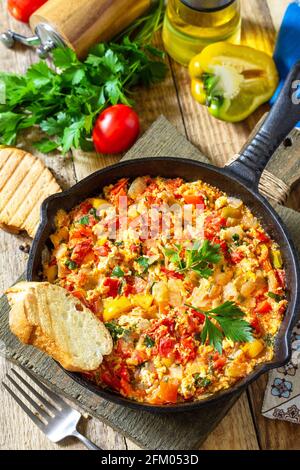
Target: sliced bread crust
(49,318)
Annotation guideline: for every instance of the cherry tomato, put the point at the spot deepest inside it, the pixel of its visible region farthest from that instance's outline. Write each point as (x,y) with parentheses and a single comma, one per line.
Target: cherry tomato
(23,9)
(116,129)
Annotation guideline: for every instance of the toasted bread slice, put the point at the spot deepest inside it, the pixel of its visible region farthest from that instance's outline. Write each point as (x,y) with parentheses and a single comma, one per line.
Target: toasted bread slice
(24,183)
(51,319)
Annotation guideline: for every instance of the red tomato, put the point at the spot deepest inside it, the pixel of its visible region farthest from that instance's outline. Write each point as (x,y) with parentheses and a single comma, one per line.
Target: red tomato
(113,286)
(169,323)
(280,276)
(255,325)
(199,315)
(166,346)
(23,9)
(173,274)
(262,237)
(102,250)
(236,257)
(80,251)
(194,199)
(168,391)
(116,129)
(119,188)
(219,363)
(263,307)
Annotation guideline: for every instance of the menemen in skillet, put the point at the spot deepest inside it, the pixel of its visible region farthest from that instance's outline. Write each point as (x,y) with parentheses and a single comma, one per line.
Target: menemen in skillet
(190,313)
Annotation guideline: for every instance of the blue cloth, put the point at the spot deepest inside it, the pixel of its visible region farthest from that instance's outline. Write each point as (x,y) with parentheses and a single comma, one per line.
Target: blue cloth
(287,51)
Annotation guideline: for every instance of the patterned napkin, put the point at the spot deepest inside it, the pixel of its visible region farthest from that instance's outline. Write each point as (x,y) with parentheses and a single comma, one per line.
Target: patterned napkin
(282,396)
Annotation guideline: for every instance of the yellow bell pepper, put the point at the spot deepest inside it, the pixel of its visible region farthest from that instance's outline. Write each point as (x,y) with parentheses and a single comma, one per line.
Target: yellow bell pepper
(276,259)
(142,300)
(254,348)
(113,308)
(232,80)
(97,202)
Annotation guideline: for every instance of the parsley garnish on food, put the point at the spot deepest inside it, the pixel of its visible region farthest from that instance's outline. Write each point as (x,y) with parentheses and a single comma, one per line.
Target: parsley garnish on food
(197,259)
(70,264)
(149,342)
(230,324)
(117,272)
(201,381)
(275,297)
(93,212)
(144,263)
(269,340)
(84,220)
(236,239)
(65,100)
(115,330)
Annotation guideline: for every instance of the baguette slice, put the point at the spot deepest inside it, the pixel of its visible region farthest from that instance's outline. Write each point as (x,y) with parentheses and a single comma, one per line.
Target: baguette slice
(51,319)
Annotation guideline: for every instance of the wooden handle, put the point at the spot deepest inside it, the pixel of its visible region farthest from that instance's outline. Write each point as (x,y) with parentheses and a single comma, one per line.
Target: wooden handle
(82,23)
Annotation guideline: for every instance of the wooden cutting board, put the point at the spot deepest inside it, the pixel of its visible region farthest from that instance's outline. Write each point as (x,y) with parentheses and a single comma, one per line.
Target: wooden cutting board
(151,431)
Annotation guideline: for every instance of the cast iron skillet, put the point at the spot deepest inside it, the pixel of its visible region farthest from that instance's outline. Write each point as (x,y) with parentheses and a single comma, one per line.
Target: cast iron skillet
(239,179)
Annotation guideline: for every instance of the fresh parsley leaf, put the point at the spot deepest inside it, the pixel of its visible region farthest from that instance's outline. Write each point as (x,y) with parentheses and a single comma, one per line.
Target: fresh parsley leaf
(70,264)
(199,258)
(45,145)
(149,342)
(144,263)
(230,324)
(64,58)
(118,272)
(53,126)
(9,122)
(213,334)
(71,136)
(85,220)
(275,297)
(115,330)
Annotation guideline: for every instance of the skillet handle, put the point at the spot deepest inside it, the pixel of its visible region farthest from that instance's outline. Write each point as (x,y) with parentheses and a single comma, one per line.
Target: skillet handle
(281,120)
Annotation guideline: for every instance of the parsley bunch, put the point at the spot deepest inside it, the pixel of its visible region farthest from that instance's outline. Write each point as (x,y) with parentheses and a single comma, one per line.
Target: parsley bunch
(65,102)
(231,325)
(197,259)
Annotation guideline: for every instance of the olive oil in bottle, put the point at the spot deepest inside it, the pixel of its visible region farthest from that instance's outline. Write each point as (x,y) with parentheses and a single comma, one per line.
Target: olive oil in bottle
(191,25)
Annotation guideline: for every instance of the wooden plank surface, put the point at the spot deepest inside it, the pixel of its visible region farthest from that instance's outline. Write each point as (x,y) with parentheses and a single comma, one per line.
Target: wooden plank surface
(172,98)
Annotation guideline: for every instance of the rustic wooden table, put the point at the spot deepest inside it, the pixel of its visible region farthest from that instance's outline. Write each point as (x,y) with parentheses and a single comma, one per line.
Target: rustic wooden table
(244,427)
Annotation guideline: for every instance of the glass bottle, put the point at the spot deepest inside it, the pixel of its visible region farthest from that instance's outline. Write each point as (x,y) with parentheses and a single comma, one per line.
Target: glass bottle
(191,25)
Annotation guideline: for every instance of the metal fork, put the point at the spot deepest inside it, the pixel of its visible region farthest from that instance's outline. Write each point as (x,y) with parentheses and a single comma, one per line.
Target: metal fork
(57,419)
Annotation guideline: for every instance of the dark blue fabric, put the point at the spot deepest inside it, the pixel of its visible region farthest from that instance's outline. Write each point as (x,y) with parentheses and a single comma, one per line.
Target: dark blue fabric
(287,51)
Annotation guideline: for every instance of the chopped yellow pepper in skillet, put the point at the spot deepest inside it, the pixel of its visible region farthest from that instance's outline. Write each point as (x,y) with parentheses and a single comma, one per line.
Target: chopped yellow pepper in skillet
(232,81)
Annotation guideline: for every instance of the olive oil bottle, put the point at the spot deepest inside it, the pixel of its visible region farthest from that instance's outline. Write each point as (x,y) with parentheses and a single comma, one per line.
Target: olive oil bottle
(191,25)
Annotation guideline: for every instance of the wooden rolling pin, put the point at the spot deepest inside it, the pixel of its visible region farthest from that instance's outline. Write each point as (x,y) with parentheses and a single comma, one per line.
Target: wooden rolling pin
(82,23)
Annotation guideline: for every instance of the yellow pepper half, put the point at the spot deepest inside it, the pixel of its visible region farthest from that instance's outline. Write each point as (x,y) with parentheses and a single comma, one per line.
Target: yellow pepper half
(232,81)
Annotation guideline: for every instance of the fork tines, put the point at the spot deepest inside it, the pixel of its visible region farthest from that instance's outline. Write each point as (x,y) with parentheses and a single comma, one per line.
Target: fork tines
(44,408)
